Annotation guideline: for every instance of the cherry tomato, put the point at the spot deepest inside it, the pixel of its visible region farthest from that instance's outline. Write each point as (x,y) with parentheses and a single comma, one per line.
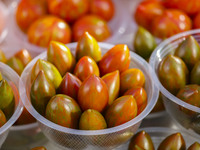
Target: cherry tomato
(28,11)
(93,94)
(102,8)
(171,22)
(146,12)
(96,26)
(188,6)
(70,10)
(49,28)
(116,58)
(25,118)
(196,21)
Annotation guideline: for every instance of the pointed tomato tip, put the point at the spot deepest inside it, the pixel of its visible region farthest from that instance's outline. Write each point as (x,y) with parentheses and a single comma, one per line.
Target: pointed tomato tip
(122,46)
(143,132)
(116,72)
(23,50)
(39,60)
(178,134)
(41,72)
(87,33)
(53,43)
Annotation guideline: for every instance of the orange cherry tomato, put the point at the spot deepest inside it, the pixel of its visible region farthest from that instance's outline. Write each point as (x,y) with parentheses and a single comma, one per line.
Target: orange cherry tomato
(28,11)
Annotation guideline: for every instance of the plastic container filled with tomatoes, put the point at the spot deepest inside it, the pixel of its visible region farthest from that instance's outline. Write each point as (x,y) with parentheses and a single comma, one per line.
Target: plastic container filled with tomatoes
(180,87)
(104,19)
(65,134)
(11,110)
(25,132)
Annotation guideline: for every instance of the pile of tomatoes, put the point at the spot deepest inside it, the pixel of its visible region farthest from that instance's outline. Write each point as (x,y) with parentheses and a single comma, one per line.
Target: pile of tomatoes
(176,141)
(64,20)
(164,18)
(179,73)
(93,93)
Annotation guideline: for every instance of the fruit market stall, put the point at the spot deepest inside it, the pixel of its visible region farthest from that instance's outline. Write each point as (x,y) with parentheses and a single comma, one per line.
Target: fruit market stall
(99,74)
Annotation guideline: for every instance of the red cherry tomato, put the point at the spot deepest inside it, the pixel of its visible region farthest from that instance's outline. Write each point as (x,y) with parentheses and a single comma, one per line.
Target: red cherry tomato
(116,58)
(171,22)
(196,21)
(140,96)
(102,8)
(96,26)
(146,12)
(188,6)
(49,28)
(25,118)
(28,11)
(70,10)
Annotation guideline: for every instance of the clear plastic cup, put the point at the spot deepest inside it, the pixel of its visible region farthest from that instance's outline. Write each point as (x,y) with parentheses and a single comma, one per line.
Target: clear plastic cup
(13,79)
(21,137)
(173,104)
(118,26)
(4,21)
(79,139)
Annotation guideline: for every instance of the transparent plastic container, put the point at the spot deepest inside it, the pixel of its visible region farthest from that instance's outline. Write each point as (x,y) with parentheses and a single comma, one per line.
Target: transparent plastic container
(67,138)
(158,134)
(118,26)
(11,48)
(4,21)
(13,79)
(21,137)
(174,105)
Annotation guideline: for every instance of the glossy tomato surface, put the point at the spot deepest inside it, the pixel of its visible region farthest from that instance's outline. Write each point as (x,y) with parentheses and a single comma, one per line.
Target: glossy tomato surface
(121,111)
(63,110)
(189,6)
(146,11)
(93,94)
(116,58)
(28,11)
(93,24)
(70,10)
(170,23)
(49,28)
(85,67)
(196,21)
(140,96)
(102,8)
